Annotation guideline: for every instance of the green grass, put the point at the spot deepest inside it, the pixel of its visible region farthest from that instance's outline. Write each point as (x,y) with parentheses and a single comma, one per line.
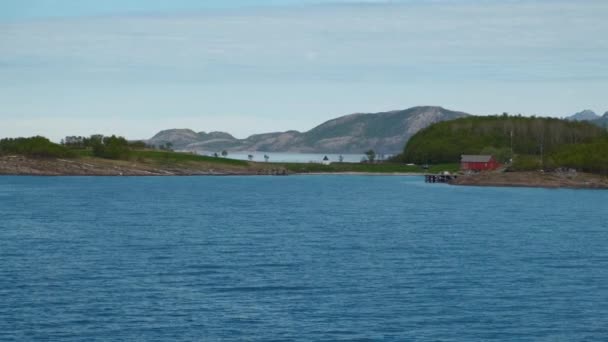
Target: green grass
(171,157)
(454,167)
(167,157)
(367,168)
(82,153)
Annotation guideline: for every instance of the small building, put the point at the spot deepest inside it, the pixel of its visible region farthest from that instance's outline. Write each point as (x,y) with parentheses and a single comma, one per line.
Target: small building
(326,161)
(470,162)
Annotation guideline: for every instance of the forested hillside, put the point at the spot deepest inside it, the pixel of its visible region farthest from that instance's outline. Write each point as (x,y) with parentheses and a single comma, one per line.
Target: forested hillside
(535,142)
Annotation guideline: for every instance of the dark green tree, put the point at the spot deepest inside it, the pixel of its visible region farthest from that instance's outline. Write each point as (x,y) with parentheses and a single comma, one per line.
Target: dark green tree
(34,147)
(112,147)
(371,155)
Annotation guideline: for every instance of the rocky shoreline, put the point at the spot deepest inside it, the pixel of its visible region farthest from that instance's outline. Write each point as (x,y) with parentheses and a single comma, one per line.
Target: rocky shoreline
(20,165)
(25,166)
(572,180)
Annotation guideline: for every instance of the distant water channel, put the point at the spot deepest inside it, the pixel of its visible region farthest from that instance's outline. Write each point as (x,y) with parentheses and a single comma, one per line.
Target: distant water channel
(302,258)
(288,157)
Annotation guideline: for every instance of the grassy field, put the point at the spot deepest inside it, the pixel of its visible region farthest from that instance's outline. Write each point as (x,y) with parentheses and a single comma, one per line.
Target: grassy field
(365,168)
(172,157)
(166,157)
(177,158)
(114,156)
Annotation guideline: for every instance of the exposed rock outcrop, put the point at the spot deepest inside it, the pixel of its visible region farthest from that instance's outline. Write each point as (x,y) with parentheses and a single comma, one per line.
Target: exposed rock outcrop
(385,132)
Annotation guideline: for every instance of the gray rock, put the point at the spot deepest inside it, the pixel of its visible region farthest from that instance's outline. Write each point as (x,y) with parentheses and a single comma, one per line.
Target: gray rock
(385,132)
(585,115)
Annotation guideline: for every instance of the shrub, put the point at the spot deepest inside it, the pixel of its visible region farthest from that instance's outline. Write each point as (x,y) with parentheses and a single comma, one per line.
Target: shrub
(112,147)
(525,163)
(33,147)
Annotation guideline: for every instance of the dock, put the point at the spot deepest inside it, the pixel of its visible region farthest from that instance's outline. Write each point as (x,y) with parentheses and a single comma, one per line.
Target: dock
(439,178)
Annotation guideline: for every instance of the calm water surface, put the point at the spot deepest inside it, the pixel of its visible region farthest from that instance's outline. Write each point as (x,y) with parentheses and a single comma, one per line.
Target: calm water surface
(323,258)
(288,157)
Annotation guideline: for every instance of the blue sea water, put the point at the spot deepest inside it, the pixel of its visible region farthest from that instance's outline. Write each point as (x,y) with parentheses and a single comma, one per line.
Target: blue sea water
(302,258)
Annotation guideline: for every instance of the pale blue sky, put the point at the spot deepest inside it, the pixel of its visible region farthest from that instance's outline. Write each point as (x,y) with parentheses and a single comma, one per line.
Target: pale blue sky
(135,67)
(27,9)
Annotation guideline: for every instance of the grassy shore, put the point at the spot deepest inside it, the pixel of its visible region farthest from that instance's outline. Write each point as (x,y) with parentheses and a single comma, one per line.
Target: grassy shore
(159,163)
(365,168)
(139,163)
(172,158)
(162,163)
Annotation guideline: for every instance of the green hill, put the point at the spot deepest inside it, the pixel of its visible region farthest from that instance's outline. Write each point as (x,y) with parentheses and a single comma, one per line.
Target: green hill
(536,142)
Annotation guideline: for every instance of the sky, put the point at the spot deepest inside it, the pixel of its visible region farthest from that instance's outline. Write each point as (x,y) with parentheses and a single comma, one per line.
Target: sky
(135,67)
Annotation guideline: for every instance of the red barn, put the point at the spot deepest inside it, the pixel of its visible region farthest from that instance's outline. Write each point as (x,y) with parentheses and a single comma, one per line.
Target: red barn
(478,162)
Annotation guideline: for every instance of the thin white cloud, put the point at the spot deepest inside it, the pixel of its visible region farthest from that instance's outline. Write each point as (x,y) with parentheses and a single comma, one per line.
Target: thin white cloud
(266,45)
(96,65)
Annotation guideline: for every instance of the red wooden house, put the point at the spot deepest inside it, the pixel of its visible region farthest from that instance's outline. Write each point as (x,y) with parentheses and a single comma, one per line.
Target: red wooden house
(478,162)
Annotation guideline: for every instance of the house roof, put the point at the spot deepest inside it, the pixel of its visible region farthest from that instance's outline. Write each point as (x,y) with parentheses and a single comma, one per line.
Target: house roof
(470,158)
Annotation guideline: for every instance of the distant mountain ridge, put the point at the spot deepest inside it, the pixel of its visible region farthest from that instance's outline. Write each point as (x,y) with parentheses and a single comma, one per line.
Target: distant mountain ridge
(590,116)
(585,115)
(602,121)
(385,132)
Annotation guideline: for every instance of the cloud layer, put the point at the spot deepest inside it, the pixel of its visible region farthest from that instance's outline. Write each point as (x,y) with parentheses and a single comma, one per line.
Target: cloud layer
(233,62)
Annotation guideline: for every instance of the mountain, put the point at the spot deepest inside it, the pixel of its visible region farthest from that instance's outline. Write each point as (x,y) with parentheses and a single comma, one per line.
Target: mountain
(602,121)
(385,132)
(585,115)
(590,116)
(177,137)
(181,138)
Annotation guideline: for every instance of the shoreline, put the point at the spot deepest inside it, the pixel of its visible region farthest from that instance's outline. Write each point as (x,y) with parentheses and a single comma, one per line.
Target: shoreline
(547,180)
(25,166)
(16,165)
(355,173)
(96,167)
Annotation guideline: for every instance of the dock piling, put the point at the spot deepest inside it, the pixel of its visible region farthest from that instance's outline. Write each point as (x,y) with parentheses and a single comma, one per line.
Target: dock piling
(439,178)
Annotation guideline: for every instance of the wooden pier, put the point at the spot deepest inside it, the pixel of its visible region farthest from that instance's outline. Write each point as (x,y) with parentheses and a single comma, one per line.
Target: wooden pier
(440,178)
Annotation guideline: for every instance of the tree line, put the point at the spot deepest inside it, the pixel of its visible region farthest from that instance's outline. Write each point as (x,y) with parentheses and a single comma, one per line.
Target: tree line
(110,147)
(532,142)
(34,147)
(97,145)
